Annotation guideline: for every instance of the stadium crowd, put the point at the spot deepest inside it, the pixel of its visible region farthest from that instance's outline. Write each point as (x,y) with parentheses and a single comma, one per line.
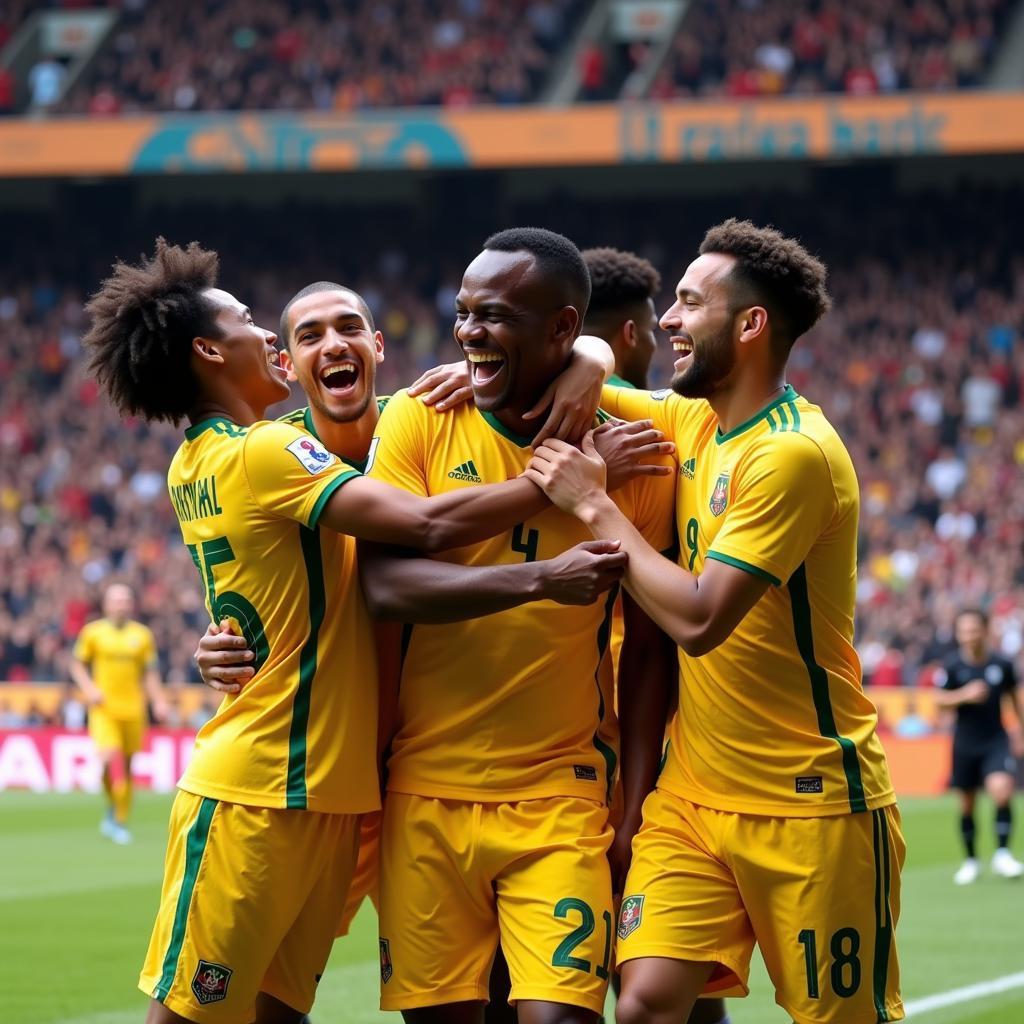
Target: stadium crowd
(329,55)
(745,48)
(919,366)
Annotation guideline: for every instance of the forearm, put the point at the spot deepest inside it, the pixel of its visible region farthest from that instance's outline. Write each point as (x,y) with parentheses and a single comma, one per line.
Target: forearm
(666,592)
(589,346)
(422,590)
(81,678)
(468,516)
(154,688)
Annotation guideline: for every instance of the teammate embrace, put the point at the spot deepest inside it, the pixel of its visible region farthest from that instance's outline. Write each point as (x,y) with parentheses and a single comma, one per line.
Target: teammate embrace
(503,749)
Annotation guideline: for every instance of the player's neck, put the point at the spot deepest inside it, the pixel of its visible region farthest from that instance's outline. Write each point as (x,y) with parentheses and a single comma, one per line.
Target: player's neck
(972,656)
(349,440)
(234,408)
(742,401)
(512,420)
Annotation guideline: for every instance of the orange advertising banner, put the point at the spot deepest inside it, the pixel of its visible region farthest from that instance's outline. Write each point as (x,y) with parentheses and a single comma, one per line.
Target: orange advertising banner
(601,134)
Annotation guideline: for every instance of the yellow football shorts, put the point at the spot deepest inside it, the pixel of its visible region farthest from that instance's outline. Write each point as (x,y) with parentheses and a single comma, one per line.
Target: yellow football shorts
(109,733)
(250,903)
(366,880)
(457,876)
(820,896)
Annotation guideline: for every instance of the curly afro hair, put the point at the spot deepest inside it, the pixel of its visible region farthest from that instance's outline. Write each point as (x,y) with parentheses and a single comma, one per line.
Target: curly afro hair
(618,280)
(144,319)
(773,271)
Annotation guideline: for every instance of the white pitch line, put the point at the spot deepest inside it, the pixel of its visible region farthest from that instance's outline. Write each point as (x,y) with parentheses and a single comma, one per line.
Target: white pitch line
(919,1007)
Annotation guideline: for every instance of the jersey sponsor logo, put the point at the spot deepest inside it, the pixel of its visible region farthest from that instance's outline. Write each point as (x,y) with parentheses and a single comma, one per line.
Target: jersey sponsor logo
(720,495)
(585,772)
(312,456)
(210,983)
(689,468)
(661,394)
(630,915)
(467,472)
(809,784)
(386,967)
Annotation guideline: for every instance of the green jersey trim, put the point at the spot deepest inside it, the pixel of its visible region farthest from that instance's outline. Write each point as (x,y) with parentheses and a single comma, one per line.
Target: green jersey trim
(218,423)
(789,395)
(325,495)
(797,587)
(738,563)
(883,912)
(603,633)
(295,788)
(615,381)
(495,424)
(195,847)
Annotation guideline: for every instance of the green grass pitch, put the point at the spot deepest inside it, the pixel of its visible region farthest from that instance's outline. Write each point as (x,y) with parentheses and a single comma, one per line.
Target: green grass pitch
(75,914)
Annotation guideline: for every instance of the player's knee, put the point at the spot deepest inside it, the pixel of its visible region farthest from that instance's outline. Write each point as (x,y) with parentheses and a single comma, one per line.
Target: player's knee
(639,1006)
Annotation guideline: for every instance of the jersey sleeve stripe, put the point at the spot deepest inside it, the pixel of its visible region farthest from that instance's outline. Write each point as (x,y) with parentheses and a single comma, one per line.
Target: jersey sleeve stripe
(738,563)
(795,413)
(325,496)
(801,605)
(883,913)
(195,847)
(295,791)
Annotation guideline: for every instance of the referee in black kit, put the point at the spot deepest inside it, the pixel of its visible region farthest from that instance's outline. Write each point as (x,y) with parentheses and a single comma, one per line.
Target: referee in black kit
(977,684)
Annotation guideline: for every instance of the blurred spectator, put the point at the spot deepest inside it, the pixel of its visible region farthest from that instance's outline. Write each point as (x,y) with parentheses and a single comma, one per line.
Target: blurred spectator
(45,81)
(762,48)
(334,54)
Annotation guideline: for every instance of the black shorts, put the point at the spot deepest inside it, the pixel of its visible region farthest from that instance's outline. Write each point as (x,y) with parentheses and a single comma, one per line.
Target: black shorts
(971,765)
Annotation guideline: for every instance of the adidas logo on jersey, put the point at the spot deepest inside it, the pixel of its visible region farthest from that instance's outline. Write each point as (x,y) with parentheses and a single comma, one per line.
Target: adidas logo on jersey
(688,468)
(467,471)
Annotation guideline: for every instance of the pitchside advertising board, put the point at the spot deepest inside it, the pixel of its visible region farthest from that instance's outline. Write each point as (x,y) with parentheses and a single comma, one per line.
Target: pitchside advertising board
(59,760)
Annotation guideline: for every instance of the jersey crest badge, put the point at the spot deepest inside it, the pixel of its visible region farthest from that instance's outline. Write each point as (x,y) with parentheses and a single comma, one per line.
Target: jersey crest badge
(210,983)
(993,675)
(312,456)
(630,916)
(386,967)
(720,495)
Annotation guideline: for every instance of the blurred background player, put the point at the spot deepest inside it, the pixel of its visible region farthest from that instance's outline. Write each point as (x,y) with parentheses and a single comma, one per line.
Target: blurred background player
(621,311)
(114,664)
(980,686)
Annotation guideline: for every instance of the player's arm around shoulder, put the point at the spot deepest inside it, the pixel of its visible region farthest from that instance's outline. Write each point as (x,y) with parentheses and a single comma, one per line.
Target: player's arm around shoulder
(391,506)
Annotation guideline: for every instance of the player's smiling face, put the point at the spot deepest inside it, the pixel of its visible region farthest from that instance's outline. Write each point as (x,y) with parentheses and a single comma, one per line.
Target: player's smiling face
(248,353)
(333,353)
(700,324)
(514,335)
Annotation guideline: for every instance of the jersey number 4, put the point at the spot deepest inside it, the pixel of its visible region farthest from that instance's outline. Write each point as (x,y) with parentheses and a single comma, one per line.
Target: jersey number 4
(229,605)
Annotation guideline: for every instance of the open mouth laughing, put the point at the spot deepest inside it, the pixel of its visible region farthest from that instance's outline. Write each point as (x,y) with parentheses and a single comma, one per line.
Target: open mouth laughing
(484,366)
(340,379)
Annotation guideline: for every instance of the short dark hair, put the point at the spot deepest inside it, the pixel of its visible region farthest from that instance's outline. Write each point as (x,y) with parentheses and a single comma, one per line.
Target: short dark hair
(144,318)
(284,331)
(556,256)
(978,613)
(618,279)
(778,272)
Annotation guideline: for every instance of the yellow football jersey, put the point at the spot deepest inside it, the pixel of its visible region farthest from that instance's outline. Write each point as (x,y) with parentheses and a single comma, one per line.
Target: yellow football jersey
(302,732)
(117,658)
(774,720)
(514,705)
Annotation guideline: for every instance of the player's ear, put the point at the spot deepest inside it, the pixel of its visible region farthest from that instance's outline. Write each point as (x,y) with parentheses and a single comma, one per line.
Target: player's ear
(207,350)
(629,333)
(753,323)
(567,320)
(378,343)
(288,365)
